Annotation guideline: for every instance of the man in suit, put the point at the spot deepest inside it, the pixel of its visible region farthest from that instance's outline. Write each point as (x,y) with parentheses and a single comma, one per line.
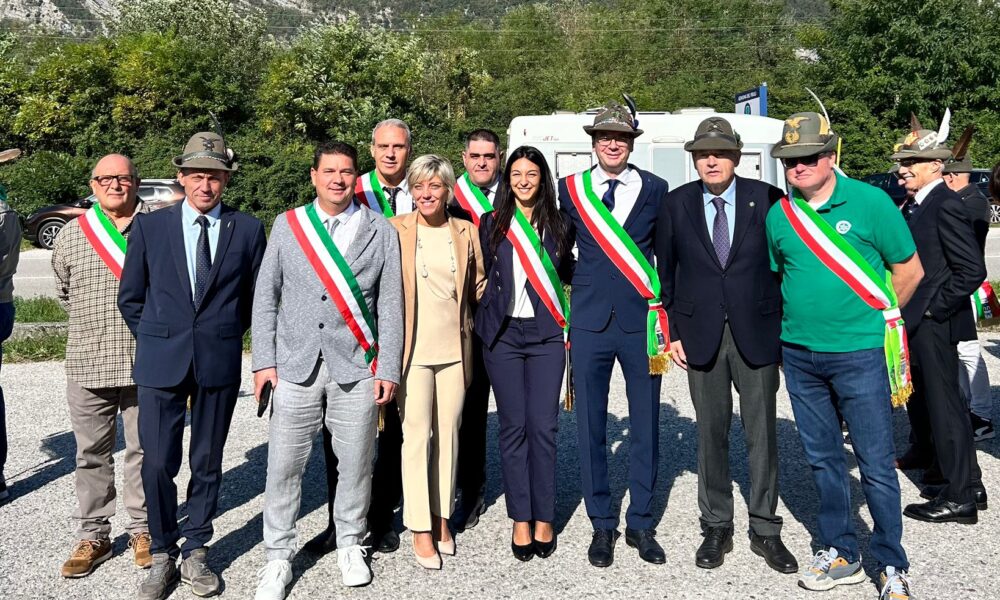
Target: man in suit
(482,158)
(725,323)
(305,346)
(974,380)
(186,292)
(937,318)
(609,322)
(10,249)
(384,190)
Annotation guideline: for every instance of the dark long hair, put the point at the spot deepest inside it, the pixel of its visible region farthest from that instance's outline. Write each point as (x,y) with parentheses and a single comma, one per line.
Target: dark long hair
(545,217)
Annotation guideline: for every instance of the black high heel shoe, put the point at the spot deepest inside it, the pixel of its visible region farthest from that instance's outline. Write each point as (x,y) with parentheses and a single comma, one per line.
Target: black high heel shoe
(523,553)
(545,549)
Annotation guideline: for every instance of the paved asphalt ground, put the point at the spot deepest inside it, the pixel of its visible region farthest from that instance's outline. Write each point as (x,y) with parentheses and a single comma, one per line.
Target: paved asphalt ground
(36,534)
(34,272)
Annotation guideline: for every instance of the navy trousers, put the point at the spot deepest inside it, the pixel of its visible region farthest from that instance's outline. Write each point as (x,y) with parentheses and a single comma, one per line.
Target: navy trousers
(527,373)
(594,355)
(6,327)
(161,434)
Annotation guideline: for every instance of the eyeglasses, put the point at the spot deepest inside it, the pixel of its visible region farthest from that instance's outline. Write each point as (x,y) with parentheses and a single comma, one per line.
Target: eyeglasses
(106,180)
(605,139)
(805,161)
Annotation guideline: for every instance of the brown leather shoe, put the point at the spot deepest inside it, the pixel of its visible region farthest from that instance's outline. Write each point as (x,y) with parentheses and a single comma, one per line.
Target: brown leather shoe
(140,543)
(86,555)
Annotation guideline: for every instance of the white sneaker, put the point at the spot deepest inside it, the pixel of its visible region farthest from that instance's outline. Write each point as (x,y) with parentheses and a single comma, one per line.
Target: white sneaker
(353,566)
(274,577)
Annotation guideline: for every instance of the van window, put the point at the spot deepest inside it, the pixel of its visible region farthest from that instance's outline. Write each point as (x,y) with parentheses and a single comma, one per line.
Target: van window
(749,166)
(568,163)
(670,164)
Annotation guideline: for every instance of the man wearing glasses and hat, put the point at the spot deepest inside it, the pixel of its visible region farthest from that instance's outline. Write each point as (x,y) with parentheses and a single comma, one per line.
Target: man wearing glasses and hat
(186,294)
(725,320)
(937,318)
(610,212)
(831,240)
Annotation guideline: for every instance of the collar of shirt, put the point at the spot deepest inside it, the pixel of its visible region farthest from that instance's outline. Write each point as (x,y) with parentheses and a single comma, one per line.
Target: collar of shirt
(627,177)
(343,216)
(191,215)
(922,192)
(837,198)
(729,196)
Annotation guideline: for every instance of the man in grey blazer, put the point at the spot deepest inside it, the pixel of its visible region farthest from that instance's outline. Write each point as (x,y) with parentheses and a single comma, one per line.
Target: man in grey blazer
(303,345)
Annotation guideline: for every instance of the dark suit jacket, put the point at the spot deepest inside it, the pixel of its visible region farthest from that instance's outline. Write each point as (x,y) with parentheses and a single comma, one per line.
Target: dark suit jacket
(500,285)
(700,294)
(977,209)
(599,288)
(953,264)
(155,299)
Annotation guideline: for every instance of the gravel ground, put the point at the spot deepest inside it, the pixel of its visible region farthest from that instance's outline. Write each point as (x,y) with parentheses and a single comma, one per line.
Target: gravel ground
(36,534)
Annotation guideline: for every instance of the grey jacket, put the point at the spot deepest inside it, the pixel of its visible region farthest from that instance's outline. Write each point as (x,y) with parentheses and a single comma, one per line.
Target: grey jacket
(294,320)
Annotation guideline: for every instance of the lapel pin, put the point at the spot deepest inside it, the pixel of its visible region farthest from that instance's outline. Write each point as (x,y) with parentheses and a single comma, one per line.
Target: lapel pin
(230,224)
(752,205)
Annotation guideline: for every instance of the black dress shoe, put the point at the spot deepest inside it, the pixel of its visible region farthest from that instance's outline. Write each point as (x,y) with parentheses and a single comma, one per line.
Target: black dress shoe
(545,549)
(940,510)
(523,553)
(931,492)
(602,547)
(712,552)
(383,541)
(644,540)
(774,552)
(324,543)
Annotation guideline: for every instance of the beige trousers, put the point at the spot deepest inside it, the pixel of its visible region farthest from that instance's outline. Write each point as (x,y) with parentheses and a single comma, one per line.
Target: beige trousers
(430,407)
(93,414)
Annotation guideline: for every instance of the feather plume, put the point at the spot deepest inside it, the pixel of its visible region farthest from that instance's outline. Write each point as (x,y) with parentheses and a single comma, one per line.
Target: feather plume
(945,128)
(915,125)
(961,148)
(823,108)
(630,103)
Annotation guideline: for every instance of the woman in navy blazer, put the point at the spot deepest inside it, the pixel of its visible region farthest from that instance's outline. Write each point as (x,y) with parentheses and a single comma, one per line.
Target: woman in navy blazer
(523,349)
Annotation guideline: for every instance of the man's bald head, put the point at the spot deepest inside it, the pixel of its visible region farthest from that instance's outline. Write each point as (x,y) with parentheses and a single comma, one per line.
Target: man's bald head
(115,182)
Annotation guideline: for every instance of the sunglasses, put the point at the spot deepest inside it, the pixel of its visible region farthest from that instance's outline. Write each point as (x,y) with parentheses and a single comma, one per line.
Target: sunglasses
(805,161)
(909,162)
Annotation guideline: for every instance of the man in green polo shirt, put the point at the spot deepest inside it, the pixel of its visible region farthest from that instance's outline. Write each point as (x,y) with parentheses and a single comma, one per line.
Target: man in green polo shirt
(834,344)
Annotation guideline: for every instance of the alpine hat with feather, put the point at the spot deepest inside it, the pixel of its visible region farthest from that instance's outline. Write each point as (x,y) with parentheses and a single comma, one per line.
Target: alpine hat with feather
(925,144)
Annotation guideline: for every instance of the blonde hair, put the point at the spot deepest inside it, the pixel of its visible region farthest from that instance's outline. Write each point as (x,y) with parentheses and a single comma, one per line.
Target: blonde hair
(429,166)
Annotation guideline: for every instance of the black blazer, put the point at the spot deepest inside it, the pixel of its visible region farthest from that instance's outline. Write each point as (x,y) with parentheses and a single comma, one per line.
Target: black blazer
(172,336)
(499,265)
(953,264)
(977,209)
(700,294)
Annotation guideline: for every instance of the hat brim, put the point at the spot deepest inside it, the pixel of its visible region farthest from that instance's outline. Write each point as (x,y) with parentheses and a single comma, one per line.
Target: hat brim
(713,143)
(592,129)
(933,154)
(207,164)
(800,149)
(958,166)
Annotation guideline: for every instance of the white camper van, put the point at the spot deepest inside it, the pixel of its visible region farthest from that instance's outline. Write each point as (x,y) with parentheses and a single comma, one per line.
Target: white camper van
(660,148)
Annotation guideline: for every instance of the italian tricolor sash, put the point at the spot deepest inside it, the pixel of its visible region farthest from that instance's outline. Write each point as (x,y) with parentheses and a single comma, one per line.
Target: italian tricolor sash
(625,255)
(107,241)
(368,190)
(472,199)
(337,278)
(986,305)
(838,255)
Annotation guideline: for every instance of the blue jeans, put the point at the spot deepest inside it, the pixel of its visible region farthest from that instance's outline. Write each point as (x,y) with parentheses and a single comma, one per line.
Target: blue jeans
(6,328)
(859,384)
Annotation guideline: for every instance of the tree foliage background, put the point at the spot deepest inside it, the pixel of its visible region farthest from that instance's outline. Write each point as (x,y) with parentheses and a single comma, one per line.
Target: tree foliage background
(148,83)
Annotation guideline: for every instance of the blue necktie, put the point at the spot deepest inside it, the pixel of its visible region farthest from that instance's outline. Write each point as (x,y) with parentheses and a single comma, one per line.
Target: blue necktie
(609,196)
(202,261)
(720,231)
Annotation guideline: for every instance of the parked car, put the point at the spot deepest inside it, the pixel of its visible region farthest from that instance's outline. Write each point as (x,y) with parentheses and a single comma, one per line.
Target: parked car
(888,182)
(42,226)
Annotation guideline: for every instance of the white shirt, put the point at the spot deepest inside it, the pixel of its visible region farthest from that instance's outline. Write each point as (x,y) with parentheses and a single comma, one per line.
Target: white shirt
(626,194)
(520,302)
(404,201)
(348,222)
(922,193)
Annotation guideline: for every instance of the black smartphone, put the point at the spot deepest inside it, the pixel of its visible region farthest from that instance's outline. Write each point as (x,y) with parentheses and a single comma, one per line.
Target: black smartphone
(265,398)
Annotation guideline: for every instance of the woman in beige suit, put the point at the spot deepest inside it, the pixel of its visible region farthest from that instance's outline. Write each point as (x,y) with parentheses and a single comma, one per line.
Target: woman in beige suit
(442,280)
